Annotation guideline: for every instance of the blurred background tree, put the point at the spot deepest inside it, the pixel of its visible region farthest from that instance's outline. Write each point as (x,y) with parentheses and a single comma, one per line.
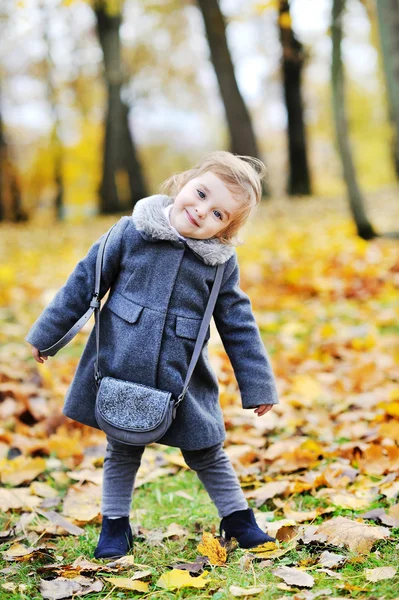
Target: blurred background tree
(106,98)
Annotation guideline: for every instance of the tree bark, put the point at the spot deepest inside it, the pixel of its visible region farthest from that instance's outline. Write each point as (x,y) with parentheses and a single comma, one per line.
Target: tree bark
(388,22)
(242,137)
(292,63)
(55,141)
(122,182)
(364,227)
(10,190)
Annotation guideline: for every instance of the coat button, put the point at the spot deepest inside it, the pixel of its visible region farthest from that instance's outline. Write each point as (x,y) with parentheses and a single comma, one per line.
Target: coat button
(178,244)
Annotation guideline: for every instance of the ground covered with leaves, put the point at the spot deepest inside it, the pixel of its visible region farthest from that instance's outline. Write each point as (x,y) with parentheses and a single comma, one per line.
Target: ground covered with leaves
(321,470)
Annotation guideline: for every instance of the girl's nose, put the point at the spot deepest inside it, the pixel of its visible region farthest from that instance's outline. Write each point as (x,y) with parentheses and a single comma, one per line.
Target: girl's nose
(201,212)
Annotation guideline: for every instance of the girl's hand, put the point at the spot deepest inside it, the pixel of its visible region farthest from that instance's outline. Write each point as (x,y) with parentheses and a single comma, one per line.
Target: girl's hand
(37,356)
(263,409)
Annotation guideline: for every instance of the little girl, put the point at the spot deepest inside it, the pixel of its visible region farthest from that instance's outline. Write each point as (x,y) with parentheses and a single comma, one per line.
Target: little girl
(159,265)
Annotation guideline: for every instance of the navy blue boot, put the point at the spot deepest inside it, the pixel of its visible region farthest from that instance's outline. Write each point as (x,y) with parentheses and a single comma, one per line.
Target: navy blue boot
(242,525)
(116,538)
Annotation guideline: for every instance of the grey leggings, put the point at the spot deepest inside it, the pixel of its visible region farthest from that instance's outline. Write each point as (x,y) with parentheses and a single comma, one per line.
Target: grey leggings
(212,466)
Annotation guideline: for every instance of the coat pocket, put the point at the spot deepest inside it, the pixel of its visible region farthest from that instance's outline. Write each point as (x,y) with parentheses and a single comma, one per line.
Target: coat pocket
(124,308)
(189,328)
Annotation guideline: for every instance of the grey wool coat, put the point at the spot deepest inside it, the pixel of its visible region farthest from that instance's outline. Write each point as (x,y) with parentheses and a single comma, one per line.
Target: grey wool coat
(159,286)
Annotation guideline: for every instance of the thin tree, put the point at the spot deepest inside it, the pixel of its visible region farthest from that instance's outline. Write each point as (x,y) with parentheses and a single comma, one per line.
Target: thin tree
(122,182)
(242,137)
(293,58)
(388,22)
(10,190)
(52,96)
(364,227)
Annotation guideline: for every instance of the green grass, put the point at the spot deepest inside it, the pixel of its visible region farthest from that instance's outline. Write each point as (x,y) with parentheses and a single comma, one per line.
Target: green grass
(163,507)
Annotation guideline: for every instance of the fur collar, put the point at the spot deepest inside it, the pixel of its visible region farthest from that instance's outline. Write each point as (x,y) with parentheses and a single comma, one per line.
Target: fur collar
(149,219)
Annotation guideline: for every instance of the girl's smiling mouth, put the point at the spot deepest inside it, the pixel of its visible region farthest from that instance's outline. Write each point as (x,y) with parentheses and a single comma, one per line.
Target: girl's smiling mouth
(191,219)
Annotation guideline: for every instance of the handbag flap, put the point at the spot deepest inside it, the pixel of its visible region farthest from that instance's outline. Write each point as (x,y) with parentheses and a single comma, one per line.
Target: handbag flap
(131,406)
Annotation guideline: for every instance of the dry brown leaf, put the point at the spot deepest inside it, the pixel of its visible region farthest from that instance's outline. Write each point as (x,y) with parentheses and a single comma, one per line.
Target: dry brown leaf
(177,579)
(267,491)
(38,488)
(380,573)
(358,537)
(126,561)
(60,521)
(82,503)
(194,567)
(92,475)
(348,500)
(20,553)
(175,531)
(293,576)
(60,588)
(390,490)
(210,547)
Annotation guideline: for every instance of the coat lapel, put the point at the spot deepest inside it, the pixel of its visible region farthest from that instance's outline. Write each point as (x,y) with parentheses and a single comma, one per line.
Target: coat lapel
(150,221)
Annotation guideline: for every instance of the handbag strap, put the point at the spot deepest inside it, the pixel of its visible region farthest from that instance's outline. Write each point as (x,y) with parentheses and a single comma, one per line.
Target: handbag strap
(201,333)
(94,303)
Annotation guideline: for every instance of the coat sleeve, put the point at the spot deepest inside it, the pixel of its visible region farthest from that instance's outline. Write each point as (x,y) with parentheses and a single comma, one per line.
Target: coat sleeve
(241,339)
(73,299)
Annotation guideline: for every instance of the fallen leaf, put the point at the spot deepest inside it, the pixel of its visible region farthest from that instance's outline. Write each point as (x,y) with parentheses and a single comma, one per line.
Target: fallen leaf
(380,573)
(60,521)
(358,537)
(175,531)
(38,488)
(293,576)
(329,559)
(19,552)
(83,503)
(265,492)
(60,588)
(194,567)
(128,584)
(21,469)
(178,578)
(210,547)
(239,591)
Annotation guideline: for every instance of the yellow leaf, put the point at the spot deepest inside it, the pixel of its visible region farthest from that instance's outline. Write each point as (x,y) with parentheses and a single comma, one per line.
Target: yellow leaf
(65,446)
(128,584)
(266,547)
(392,409)
(211,548)
(21,469)
(178,578)
(306,386)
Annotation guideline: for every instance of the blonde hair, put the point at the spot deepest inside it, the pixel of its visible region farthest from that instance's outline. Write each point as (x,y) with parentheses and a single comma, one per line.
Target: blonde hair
(242,175)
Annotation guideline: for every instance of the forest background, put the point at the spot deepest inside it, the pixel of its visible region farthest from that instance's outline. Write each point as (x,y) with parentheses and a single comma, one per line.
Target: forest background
(100,102)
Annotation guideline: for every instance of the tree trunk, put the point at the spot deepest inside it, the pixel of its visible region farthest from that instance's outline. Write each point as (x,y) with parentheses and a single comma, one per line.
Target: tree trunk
(122,182)
(388,21)
(292,63)
(10,190)
(55,141)
(242,137)
(364,227)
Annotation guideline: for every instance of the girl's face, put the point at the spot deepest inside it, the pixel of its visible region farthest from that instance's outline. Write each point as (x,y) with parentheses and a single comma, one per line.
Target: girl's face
(203,207)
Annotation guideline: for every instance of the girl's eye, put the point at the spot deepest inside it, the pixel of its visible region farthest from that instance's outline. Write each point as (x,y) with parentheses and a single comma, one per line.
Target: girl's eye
(201,194)
(218,213)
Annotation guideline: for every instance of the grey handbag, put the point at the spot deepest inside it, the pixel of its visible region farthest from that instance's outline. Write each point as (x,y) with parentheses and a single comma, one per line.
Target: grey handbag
(129,412)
